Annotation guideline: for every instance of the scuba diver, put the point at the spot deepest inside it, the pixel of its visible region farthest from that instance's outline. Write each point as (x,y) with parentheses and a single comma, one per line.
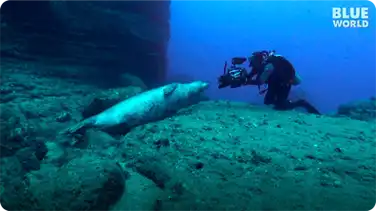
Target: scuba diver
(269,69)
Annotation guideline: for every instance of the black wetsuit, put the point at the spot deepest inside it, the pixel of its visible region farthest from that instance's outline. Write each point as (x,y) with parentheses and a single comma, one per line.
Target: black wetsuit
(279,85)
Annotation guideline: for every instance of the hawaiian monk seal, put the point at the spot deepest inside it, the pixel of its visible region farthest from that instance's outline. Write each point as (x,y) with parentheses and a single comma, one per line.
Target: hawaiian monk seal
(145,107)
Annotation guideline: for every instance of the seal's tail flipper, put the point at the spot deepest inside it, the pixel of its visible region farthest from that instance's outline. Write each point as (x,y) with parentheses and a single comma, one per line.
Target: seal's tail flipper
(168,90)
(78,128)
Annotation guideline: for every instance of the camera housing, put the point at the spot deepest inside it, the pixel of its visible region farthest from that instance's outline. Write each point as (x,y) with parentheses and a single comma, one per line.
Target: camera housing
(233,76)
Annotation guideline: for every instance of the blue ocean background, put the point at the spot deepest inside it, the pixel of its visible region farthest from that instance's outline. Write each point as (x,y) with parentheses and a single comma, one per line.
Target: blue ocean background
(337,65)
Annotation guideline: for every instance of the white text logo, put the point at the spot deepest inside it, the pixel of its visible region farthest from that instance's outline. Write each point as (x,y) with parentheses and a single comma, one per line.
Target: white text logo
(350,17)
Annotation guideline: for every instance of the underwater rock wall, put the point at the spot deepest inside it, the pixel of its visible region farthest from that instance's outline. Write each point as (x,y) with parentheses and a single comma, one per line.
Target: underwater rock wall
(107,38)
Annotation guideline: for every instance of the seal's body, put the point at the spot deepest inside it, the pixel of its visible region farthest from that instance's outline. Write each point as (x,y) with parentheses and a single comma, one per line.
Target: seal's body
(148,106)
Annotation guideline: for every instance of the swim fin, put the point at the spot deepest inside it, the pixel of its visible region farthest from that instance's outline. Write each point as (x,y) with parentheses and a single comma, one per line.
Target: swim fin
(305,104)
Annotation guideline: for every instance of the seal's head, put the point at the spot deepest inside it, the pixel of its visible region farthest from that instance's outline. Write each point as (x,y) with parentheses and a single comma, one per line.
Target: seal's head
(198,86)
(194,91)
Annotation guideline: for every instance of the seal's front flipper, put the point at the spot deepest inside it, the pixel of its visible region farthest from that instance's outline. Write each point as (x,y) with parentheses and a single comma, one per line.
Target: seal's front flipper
(169,89)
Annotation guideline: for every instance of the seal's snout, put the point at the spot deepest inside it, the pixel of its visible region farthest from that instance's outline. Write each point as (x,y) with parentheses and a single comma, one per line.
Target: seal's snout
(204,86)
(198,86)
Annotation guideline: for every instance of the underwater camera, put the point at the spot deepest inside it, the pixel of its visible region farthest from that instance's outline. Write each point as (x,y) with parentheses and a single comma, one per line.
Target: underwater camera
(233,76)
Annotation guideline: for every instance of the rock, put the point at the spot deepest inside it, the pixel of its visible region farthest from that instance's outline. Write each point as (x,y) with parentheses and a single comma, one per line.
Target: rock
(223,156)
(87,34)
(362,110)
(153,168)
(12,185)
(28,160)
(59,155)
(10,168)
(85,183)
(15,131)
(98,141)
(105,99)
(131,80)
(141,194)
(40,149)
(55,153)
(64,117)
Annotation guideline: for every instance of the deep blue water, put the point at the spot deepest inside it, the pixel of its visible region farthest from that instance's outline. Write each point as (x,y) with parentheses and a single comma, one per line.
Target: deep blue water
(337,65)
